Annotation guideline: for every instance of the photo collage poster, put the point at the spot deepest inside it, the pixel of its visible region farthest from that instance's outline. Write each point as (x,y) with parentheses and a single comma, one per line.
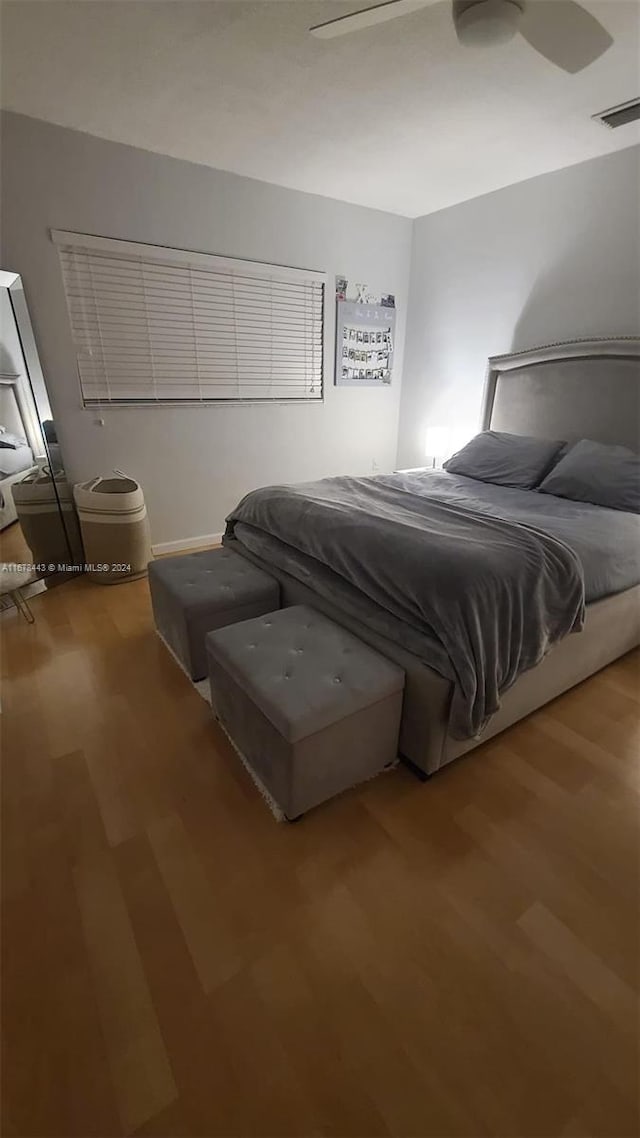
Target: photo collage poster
(364,344)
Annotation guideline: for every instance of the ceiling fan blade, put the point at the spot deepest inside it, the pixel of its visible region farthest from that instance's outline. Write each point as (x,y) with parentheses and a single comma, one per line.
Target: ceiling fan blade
(565,33)
(367,17)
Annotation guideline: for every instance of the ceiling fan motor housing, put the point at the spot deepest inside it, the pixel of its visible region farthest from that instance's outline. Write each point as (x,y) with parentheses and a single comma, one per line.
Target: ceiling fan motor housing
(485,22)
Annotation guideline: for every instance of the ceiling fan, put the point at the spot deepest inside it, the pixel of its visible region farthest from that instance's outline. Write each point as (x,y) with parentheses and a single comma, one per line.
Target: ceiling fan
(561,30)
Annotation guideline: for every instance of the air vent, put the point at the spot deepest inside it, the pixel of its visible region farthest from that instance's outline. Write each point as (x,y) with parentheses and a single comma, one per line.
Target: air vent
(621,115)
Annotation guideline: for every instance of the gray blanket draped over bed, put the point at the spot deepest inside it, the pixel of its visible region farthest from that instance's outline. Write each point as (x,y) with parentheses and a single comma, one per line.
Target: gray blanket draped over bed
(490,595)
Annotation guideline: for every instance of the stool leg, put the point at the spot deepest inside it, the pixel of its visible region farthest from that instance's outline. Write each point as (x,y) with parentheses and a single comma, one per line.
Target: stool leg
(22,606)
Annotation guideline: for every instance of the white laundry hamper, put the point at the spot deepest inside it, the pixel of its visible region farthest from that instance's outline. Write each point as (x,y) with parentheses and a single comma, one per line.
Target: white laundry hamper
(115,528)
(41,499)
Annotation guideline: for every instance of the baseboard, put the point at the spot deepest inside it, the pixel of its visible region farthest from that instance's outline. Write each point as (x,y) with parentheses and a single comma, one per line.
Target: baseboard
(186,543)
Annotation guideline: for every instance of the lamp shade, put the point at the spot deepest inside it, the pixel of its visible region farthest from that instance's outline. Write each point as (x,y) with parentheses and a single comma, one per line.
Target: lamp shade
(436,441)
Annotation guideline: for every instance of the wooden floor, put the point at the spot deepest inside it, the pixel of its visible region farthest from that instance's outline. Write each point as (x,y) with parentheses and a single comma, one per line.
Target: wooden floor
(454,958)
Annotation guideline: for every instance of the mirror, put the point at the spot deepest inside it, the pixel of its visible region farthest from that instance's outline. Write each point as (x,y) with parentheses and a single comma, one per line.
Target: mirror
(39,535)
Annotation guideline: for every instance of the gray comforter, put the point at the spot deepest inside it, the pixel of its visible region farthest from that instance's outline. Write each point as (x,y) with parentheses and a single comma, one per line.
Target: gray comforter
(484,596)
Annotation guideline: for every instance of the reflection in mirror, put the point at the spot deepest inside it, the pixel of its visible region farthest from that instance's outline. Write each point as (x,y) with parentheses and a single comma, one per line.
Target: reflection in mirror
(39,533)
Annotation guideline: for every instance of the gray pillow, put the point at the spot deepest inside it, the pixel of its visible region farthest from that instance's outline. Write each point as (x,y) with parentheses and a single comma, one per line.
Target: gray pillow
(593,472)
(506,460)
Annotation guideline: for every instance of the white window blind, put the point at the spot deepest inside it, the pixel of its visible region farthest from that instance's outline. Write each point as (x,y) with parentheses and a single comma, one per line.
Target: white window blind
(166,326)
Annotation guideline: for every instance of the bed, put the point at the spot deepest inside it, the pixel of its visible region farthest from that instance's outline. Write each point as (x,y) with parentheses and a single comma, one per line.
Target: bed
(585,389)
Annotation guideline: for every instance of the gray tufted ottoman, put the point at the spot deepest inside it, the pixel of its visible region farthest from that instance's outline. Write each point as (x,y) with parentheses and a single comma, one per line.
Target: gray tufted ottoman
(195,592)
(311,709)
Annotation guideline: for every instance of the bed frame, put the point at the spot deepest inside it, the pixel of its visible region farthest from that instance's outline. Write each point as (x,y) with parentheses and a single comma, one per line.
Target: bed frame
(580,389)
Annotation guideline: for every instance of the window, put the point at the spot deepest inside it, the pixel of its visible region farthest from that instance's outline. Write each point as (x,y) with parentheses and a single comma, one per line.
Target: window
(166,326)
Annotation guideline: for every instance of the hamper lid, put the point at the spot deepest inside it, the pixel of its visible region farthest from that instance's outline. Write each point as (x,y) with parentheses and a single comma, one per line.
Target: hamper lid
(121,484)
(118,495)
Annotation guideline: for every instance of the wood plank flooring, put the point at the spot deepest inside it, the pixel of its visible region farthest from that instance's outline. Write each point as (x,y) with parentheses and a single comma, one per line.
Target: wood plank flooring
(458,958)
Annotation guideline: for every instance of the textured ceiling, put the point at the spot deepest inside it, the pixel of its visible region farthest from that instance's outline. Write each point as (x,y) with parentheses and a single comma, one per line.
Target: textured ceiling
(399,117)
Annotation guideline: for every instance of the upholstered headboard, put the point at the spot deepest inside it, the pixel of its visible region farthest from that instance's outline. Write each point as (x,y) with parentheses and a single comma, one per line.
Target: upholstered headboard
(582,389)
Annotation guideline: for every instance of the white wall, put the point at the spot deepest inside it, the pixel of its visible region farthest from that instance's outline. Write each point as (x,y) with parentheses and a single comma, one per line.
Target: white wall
(195,463)
(553,258)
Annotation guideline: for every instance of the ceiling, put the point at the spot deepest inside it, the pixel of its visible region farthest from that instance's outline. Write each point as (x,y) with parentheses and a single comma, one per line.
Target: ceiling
(399,116)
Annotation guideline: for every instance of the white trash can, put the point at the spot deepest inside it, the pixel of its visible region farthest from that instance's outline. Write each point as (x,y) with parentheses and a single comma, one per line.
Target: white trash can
(115,528)
(41,501)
